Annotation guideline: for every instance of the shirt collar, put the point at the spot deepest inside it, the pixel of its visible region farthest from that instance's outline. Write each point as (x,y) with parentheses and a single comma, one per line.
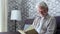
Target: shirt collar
(44,17)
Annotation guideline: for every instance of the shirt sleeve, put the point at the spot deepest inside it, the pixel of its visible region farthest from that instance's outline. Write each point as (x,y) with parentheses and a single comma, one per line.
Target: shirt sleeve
(34,22)
(51,27)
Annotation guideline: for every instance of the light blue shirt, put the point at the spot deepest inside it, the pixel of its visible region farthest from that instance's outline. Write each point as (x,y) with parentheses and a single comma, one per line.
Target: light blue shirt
(44,25)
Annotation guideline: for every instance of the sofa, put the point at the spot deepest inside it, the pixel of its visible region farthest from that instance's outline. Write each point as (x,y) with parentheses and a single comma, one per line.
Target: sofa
(28,22)
(58,25)
(9,33)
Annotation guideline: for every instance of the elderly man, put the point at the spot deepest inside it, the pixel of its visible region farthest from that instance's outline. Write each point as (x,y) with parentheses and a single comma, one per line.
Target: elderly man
(44,23)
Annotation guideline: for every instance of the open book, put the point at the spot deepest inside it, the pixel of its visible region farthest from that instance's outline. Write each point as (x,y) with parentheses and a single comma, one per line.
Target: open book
(22,32)
(29,30)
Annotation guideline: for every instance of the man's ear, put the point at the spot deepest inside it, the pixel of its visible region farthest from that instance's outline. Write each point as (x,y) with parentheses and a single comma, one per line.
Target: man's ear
(47,9)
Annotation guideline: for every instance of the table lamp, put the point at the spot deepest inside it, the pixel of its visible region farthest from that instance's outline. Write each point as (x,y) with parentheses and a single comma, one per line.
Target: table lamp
(15,16)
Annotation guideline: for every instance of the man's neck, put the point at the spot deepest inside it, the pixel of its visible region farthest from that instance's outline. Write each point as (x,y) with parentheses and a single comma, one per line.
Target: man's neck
(44,16)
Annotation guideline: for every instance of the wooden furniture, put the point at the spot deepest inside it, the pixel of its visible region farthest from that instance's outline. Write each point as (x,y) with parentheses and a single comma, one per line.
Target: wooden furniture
(9,33)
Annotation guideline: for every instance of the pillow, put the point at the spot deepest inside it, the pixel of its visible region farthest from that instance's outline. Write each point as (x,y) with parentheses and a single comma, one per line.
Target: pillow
(29,28)
(26,26)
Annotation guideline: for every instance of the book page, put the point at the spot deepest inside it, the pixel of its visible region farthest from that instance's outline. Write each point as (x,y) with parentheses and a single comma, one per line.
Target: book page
(22,31)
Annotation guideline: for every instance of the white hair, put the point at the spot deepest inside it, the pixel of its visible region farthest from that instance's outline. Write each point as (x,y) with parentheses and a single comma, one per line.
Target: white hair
(43,4)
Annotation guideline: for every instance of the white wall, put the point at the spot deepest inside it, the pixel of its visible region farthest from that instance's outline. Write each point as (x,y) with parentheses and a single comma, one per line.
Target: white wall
(0,16)
(6,15)
(3,15)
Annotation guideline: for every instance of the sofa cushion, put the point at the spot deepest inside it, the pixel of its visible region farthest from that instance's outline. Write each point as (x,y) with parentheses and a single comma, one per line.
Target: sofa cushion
(29,21)
(58,22)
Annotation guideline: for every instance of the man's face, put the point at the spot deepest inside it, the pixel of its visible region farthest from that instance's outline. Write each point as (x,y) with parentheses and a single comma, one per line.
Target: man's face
(42,11)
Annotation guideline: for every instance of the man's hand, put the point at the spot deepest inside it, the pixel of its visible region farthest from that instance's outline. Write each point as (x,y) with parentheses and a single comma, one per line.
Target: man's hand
(22,31)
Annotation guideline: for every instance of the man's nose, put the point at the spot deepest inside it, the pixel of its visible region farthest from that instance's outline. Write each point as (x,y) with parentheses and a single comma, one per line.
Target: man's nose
(41,11)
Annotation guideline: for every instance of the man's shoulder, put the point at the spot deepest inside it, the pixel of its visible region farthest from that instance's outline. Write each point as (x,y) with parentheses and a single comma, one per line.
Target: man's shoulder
(37,18)
(52,17)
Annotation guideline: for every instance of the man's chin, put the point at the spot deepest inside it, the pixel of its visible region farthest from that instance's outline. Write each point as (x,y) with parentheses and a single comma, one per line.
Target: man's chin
(42,16)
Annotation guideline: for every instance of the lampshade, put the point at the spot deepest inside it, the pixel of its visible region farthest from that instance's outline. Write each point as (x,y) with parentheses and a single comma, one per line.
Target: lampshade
(16,15)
